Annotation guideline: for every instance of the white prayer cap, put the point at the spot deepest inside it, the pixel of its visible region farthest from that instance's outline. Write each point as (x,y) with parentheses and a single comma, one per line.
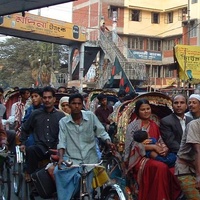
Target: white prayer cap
(196,96)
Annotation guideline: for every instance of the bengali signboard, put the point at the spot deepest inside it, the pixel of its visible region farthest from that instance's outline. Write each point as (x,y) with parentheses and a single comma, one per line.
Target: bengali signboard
(188,58)
(44,26)
(145,55)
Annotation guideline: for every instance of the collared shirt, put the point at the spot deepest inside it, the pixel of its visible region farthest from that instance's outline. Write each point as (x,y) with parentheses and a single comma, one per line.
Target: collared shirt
(182,122)
(45,127)
(79,140)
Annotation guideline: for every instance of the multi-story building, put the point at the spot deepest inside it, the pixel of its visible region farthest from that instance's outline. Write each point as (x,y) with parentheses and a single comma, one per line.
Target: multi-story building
(149,29)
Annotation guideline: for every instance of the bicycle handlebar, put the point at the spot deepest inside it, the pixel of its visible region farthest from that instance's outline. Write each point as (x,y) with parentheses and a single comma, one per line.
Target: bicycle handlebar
(66,163)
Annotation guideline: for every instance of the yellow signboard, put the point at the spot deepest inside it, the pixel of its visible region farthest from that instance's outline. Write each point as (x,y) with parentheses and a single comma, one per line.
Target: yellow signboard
(188,58)
(44,26)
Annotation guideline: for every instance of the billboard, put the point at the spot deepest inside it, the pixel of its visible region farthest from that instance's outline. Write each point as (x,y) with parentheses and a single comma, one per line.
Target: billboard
(44,26)
(188,58)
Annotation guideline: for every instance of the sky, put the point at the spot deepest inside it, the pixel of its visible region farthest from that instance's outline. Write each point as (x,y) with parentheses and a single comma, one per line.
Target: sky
(60,12)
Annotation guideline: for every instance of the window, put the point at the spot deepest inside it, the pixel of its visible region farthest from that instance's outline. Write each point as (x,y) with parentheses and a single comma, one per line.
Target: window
(193,30)
(154,45)
(168,72)
(155,18)
(169,17)
(135,15)
(168,44)
(135,43)
(112,9)
(194,1)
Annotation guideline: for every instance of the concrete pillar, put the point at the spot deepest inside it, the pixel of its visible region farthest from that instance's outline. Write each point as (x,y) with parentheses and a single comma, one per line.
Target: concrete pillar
(81,66)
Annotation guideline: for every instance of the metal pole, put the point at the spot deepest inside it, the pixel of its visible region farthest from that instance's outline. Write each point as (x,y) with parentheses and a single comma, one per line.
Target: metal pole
(185,60)
(188,12)
(81,66)
(114,33)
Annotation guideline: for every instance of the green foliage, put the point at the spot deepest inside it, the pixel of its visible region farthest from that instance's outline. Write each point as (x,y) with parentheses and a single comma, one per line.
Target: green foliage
(19,58)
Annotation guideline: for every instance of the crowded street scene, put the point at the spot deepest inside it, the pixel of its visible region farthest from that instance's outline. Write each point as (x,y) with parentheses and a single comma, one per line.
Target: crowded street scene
(99,100)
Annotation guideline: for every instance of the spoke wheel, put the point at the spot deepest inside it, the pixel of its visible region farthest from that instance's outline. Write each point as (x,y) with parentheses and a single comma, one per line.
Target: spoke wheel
(17,177)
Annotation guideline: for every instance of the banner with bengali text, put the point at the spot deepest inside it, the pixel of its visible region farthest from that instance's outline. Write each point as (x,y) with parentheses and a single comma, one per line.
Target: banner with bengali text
(44,26)
(188,58)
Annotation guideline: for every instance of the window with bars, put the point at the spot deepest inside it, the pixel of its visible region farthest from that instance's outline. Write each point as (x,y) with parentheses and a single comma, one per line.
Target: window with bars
(135,15)
(112,9)
(155,18)
(193,30)
(135,43)
(154,45)
(168,44)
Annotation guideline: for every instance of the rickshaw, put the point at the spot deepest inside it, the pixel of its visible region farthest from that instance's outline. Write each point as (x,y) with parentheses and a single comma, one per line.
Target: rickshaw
(93,101)
(161,106)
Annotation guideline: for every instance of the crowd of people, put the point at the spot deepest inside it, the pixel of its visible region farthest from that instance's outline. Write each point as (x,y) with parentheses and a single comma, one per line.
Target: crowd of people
(163,158)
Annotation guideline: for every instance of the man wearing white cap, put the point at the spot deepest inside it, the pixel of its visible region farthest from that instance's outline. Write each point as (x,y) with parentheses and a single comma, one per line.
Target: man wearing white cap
(194,106)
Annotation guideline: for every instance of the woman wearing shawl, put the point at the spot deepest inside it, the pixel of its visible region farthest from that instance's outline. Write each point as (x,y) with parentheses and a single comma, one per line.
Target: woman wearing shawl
(155,179)
(64,105)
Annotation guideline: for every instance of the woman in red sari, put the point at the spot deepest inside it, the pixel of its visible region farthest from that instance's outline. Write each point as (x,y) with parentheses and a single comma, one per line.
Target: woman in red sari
(155,179)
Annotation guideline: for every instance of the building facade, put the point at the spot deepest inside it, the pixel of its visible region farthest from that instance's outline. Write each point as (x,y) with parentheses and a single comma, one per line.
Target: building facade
(150,30)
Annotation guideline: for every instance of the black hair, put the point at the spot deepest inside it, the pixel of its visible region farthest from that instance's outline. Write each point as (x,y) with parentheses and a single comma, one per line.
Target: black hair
(101,96)
(49,89)
(74,96)
(37,91)
(63,88)
(140,136)
(23,90)
(139,103)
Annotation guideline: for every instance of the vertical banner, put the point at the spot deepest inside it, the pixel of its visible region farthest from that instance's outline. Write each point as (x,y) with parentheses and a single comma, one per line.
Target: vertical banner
(188,58)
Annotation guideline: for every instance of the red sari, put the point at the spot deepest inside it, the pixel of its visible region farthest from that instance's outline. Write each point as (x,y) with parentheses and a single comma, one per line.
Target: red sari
(155,179)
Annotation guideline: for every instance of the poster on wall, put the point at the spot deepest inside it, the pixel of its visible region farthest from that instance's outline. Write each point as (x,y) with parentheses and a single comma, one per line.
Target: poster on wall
(188,58)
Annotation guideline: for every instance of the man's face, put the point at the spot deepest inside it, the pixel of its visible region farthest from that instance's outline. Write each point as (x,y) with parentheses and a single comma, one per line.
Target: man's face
(194,105)
(104,101)
(48,99)
(76,106)
(36,99)
(179,105)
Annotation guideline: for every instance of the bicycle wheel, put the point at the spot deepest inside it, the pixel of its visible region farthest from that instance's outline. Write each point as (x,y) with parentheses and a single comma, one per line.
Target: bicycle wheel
(5,182)
(17,176)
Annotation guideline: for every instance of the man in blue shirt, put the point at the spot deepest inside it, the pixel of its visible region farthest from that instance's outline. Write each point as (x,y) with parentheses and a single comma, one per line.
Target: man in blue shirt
(77,141)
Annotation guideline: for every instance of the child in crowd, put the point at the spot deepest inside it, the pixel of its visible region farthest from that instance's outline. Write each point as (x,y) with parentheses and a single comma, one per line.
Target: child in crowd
(141,136)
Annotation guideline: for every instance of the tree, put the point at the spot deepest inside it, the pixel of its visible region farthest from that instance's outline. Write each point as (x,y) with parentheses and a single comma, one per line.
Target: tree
(22,59)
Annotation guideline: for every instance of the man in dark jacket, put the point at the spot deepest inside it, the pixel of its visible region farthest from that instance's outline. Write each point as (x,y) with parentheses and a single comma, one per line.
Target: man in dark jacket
(173,125)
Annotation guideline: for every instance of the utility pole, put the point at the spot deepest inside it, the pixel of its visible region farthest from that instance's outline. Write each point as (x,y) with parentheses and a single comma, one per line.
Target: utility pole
(188,12)
(114,33)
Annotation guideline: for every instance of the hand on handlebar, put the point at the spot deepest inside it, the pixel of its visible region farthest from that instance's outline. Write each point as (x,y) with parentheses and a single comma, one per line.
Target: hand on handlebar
(110,144)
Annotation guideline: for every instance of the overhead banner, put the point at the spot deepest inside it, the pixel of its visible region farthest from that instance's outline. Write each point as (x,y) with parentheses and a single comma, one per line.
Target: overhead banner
(44,26)
(188,58)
